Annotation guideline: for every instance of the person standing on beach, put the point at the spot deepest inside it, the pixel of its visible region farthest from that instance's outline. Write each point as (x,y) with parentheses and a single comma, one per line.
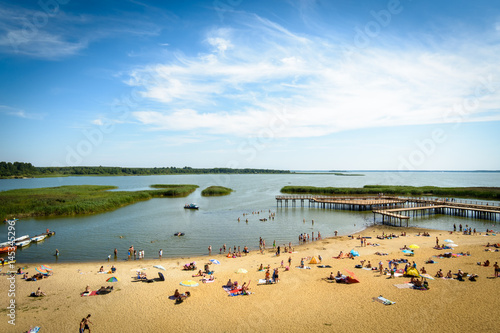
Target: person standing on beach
(224,247)
(160,253)
(497,269)
(82,326)
(86,323)
(209,249)
(290,262)
(116,252)
(437,241)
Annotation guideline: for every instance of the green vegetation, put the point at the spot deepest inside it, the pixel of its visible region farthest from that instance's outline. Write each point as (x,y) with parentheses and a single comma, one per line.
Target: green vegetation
(77,200)
(19,170)
(348,174)
(182,190)
(216,191)
(491,193)
(330,173)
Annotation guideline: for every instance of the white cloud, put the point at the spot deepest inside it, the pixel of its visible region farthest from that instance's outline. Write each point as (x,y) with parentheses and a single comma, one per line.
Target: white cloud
(98,122)
(15,112)
(264,78)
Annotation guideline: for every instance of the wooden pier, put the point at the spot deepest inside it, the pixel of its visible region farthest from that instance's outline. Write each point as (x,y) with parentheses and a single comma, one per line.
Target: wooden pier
(396,210)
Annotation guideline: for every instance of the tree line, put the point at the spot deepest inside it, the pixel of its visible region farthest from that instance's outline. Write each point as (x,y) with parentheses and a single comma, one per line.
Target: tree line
(21,169)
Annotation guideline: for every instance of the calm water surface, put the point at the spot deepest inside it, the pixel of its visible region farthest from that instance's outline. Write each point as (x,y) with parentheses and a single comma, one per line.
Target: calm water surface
(150,225)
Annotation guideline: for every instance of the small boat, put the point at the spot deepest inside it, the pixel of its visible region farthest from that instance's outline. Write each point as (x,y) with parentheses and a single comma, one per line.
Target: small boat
(6,249)
(38,238)
(22,238)
(179,234)
(5,244)
(264,219)
(191,206)
(10,221)
(23,243)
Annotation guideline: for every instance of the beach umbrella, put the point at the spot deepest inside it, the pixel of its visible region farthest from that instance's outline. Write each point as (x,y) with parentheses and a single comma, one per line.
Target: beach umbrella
(46,267)
(407,251)
(453,245)
(355,253)
(412,272)
(113,279)
(241,271)
(159,267)
(215,261)
(448,241)
(189,283)
(427,276)
(351,274)
(39,269)
(414,246)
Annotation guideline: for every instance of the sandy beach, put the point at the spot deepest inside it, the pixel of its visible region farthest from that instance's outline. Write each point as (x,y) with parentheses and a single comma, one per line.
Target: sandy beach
(301,301)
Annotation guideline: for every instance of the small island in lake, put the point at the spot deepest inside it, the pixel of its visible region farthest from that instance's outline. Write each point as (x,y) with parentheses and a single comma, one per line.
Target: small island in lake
(79,199)
(216,191)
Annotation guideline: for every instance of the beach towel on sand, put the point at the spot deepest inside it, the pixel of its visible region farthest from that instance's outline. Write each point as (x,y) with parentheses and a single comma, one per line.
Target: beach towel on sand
(404,285)
(231,292)
(92,293)
(305,267)
(383,300)
(263,281)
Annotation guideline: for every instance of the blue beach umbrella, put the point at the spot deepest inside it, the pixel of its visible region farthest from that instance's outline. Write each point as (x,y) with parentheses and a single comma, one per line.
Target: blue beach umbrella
(448,241)
(355,253)
(215,261)
(407,251)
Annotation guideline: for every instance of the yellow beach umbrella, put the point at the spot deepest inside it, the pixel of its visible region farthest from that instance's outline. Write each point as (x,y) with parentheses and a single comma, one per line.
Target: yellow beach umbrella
(414,246)
(189,283)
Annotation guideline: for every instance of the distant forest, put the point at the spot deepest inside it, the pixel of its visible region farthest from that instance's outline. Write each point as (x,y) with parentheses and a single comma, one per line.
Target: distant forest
(20,170)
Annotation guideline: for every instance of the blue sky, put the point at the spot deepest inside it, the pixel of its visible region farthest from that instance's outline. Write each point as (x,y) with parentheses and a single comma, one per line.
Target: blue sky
(296,85)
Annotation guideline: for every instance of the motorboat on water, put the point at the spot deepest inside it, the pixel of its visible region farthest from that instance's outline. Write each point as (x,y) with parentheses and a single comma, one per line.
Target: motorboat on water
(5,244)
(38,238)
(191,206)
(23,243)
(22,238)
(7,249)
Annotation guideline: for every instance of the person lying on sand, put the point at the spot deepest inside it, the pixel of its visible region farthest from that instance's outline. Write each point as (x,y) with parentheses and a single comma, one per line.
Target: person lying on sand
(200,273)
(181,297)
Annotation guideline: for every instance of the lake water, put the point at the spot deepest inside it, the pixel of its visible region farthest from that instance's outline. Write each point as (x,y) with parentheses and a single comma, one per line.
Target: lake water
(150,225)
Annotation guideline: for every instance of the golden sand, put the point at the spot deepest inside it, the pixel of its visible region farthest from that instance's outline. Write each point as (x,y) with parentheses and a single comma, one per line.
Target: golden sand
(301,301)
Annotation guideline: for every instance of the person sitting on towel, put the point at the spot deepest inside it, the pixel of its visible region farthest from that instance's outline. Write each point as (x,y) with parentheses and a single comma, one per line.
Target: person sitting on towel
(39,292)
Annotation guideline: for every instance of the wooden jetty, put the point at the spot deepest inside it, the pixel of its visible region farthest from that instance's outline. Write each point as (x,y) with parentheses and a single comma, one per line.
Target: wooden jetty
(396,210)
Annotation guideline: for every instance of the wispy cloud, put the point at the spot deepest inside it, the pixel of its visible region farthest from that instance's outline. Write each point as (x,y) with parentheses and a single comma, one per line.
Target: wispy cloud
(15,112)
(58,34)
(260,73)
